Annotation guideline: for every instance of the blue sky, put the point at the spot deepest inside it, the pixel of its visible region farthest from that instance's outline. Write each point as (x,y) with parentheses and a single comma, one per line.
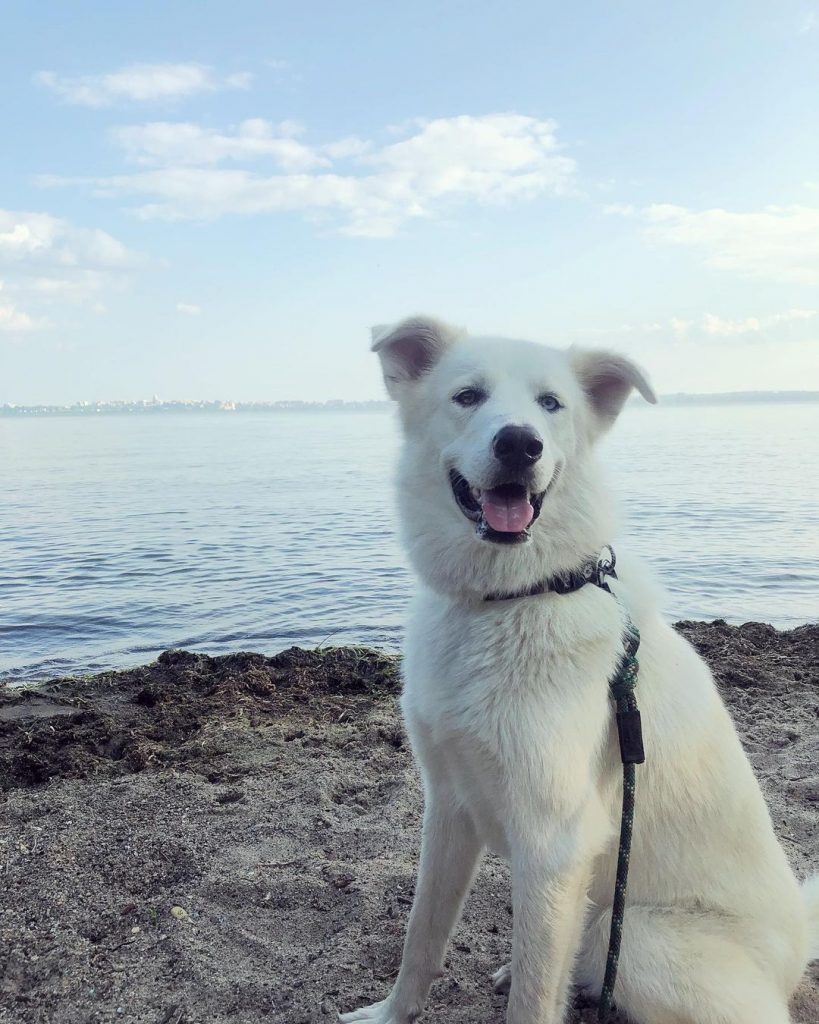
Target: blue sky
(216,200)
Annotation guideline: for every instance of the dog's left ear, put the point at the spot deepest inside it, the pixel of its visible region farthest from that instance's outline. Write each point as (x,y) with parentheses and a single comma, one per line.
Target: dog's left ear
(607,378)
(409,349)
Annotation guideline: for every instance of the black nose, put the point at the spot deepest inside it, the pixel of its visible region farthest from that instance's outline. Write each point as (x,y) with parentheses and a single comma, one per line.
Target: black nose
(517,447)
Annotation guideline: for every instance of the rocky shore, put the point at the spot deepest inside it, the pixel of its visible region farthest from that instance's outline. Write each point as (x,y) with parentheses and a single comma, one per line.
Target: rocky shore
(234,839)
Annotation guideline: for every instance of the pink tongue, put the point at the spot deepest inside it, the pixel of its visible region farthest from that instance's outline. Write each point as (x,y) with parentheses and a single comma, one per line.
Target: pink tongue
(506,515)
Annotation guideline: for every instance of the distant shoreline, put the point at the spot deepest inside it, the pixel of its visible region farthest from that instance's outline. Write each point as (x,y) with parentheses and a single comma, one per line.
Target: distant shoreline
(155,406)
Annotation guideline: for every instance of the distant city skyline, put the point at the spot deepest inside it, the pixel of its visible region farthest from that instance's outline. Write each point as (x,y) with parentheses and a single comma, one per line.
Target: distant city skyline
(227,204)
(156,404)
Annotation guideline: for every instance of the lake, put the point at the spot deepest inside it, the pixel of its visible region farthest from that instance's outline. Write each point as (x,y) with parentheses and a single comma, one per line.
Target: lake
(123,536)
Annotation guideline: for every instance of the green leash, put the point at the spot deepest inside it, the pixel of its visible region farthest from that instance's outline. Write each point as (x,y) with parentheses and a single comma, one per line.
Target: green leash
(629,730)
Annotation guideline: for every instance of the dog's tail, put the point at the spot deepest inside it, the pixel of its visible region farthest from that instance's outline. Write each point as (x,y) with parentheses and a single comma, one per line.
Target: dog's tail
(810,894)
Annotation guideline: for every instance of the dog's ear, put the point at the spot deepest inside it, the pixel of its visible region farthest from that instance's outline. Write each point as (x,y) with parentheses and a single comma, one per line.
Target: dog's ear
(410,348)
(607,379)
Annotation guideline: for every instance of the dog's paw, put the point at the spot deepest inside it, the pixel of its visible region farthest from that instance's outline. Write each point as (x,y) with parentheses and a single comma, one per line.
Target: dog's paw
(376,1012)
(502,979)
(381,1013)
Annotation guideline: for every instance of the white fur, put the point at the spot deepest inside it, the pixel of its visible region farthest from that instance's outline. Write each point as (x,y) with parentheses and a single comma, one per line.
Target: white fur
(507,708)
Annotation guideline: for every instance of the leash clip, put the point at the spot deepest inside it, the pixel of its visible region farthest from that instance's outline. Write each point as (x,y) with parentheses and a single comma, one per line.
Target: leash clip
(605,567)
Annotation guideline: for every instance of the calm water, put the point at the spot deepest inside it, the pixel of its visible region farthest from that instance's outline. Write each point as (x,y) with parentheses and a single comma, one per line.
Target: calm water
(122,537)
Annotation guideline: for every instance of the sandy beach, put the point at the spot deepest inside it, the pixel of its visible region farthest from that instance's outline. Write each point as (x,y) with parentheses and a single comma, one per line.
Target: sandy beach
(234,839)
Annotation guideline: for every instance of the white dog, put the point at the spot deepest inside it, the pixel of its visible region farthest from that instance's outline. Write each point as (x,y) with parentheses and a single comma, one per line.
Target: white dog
(506,703)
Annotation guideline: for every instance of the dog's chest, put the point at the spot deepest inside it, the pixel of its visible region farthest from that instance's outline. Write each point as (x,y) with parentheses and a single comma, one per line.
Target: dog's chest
(539,654)
(513,705)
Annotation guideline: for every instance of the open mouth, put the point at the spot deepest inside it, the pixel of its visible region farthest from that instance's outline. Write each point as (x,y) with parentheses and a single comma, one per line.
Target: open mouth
(502,514)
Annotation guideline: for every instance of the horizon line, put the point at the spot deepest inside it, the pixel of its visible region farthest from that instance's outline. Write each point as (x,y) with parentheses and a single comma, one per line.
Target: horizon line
(283,404)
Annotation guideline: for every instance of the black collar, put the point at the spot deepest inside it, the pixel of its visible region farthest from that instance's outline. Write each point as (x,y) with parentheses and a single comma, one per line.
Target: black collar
(593,570)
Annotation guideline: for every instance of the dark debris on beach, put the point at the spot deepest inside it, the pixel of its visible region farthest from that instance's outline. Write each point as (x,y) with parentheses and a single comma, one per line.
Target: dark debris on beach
(158,715)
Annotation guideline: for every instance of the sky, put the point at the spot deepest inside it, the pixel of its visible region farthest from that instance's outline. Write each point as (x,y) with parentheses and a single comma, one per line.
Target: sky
(211,200)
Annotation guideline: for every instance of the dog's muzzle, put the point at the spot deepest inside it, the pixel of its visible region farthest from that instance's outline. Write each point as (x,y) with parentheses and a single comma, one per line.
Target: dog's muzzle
(502,514)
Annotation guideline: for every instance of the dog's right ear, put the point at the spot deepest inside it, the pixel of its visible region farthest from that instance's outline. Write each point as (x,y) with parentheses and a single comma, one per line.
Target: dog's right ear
(409,349)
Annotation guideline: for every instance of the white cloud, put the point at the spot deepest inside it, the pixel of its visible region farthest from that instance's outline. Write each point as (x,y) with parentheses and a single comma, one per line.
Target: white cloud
(808,23)
(13,320)
(36,240)
(619,209)
(780,243)
(188,308)
(50,262)
(165,143)
(717,325)
(140,83)
(495,143)
(62,287)
(711,325)
(491,159)
(679,326)
(710,352)
(346,148)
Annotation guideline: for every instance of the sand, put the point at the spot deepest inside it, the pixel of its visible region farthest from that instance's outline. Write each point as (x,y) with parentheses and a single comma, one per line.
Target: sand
(234,839)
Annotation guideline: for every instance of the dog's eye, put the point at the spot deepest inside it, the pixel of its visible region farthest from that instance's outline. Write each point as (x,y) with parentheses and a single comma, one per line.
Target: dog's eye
(549,402)
(468,396)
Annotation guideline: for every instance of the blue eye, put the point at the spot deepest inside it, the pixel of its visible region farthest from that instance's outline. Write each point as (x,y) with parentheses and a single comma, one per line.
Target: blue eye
(549,402)
(468,397)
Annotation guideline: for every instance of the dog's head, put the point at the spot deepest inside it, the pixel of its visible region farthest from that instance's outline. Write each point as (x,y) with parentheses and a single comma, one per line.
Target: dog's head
(497,436)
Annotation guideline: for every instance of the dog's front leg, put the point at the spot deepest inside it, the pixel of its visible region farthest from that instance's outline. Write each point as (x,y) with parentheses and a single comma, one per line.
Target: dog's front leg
(450,850)
(548,901)
(449,858)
